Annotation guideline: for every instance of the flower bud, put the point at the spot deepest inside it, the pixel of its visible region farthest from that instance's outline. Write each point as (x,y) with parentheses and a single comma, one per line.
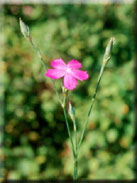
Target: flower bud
(24,29)
(64,89)
(71,112)
(108,51)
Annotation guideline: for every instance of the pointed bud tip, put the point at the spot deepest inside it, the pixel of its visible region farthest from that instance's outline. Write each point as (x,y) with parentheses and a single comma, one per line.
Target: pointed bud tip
(108,50)
(24,28)
(112,40)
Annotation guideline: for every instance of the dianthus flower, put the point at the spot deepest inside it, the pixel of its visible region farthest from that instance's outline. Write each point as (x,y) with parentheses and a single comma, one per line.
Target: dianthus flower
(70,72)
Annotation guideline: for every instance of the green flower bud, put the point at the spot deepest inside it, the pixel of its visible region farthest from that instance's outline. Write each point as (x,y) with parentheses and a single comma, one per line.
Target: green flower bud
(71,112)
(24,29)
(64,89)
(108,51)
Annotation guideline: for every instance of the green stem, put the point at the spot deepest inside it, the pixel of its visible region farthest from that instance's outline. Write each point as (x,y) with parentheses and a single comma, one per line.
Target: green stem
(73,118)
(60,100)
(106,58)
(75,168)
(75,133)
(45,66)
(68,128)
(91,105)
(76,155)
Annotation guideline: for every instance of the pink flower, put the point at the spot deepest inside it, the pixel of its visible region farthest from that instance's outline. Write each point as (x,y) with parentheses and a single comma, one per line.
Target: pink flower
(70,72)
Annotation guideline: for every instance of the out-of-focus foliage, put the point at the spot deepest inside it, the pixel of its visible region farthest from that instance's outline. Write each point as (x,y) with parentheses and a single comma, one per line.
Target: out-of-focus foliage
(36,140)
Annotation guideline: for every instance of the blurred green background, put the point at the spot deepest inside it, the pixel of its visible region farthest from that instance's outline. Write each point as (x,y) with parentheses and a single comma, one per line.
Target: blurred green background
(36,144)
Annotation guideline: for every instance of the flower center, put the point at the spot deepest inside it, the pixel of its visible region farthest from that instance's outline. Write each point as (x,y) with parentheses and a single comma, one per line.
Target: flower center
(68,70)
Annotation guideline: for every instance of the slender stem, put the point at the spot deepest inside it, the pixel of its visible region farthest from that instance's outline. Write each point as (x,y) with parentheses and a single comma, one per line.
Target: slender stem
(106,58)
(68,128)
(63,104)
(76,155)
(45,66)
(90,108)
(75,168)
(75,133)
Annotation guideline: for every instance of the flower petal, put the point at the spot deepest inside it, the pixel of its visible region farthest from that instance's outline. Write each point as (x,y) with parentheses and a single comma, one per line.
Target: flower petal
(80,75)
(74,64)
(70,82)
(58,64)
(55,73)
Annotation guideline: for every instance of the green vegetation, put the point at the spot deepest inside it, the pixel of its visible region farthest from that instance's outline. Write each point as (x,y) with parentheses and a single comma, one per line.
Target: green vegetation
(36,144)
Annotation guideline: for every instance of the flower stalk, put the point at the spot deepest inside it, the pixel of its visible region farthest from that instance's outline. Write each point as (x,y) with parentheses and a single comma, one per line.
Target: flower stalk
(72,116)
(26,33)
(107,56)
(67,123)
